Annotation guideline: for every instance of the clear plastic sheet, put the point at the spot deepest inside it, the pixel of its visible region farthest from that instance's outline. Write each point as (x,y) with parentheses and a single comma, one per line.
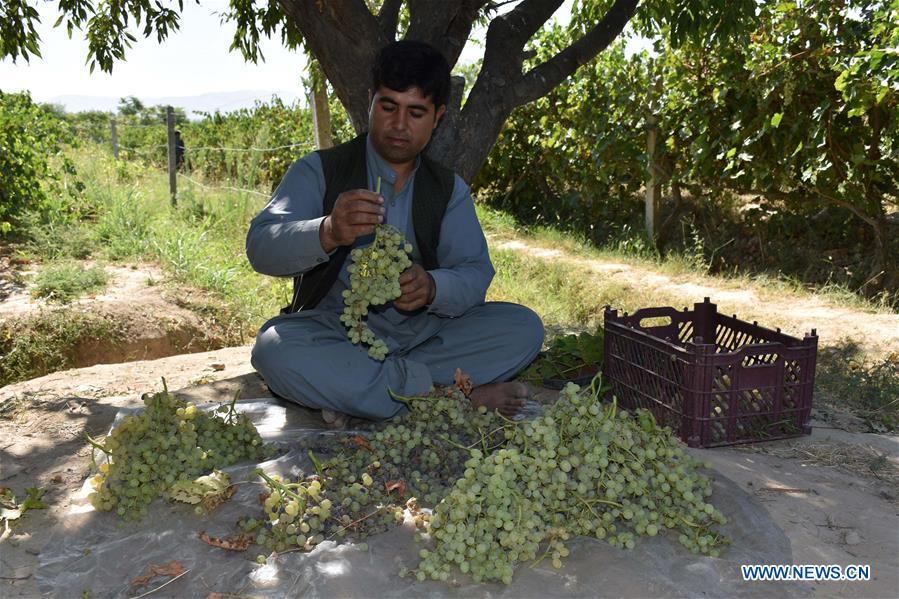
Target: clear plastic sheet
(94,552)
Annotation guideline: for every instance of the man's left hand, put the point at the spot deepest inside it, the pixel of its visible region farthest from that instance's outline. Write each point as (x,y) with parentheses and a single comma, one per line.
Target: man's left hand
(417,287)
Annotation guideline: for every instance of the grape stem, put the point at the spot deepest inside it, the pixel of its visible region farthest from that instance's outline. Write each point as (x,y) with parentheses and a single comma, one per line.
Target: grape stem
(549,546)
(403,398)
(483,440)
(231,412)
(454,444)
(691,524)
(509,420)
(355,522)
(97,445)
(316,463)
(162,585)
(279,486)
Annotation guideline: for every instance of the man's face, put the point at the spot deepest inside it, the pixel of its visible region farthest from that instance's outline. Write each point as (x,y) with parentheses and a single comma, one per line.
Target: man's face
(400,124)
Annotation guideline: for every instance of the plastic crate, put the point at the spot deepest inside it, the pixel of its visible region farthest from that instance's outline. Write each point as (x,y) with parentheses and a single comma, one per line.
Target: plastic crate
(714,379)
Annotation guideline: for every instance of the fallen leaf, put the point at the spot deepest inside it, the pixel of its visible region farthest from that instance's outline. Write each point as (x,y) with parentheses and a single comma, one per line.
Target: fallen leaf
(234,543)
(363,443)
(211,502)
(463,382)
(396,485)
(210,490)
(172,568)
(10,513)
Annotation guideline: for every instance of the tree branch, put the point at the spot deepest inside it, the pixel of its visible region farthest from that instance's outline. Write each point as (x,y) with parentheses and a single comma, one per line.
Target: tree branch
(543,78)
(428,19)
(389,18)
(459,28)
(445,24)
(504,52)
(526,19)
(344,36)
(864,216)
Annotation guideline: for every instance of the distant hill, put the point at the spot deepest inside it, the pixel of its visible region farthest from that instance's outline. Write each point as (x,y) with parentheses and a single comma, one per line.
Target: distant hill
(222,101)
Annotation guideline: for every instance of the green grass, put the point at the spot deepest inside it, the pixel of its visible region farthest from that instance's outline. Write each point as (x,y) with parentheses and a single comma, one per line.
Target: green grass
(62,282)
(634,250)
(34,346)
(846,377)
(199,242)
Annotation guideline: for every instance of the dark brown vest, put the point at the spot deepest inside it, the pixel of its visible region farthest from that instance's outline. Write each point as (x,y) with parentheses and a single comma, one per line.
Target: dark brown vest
(344,168)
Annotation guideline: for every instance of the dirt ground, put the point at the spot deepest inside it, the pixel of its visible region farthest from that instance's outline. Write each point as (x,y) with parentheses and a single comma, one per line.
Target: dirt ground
(835,494)
(151,319)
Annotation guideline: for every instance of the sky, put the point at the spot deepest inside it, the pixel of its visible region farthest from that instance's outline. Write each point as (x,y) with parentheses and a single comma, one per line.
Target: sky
(193,61)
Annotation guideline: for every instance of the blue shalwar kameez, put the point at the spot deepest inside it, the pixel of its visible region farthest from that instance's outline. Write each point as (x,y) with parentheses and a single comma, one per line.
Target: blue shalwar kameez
(306,357)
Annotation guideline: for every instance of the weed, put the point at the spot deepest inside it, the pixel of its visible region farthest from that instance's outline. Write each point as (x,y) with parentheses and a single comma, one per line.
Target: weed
(63,282)
(35,346)
(55,240)
(124,228)
(633,243)
(847,378)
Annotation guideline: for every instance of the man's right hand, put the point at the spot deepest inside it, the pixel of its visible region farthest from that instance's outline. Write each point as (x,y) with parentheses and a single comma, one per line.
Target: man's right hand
(356,213)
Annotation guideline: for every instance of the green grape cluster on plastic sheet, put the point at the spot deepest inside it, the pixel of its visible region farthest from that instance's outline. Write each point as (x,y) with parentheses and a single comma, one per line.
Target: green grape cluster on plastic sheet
(170,440)
(502,492)
(374,280)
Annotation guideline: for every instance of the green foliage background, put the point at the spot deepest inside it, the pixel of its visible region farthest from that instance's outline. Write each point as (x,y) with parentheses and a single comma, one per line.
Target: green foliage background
(779,149)
(34,174)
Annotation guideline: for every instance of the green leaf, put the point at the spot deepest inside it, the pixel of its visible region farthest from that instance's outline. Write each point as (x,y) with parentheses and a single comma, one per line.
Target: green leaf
(775,120)
(842,81)
(33,499)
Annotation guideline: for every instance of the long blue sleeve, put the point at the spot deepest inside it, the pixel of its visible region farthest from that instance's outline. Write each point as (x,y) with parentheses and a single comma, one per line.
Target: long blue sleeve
(283,239)
(465,269)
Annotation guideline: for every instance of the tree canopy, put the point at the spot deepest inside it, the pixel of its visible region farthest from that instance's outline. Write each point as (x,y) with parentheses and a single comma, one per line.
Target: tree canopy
(344,36)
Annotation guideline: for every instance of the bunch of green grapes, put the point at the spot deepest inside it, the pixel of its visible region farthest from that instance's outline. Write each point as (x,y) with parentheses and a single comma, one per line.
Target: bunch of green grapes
(502,492)
(374,280)
(170,440)
(580,469)
(302,514)
(369,480)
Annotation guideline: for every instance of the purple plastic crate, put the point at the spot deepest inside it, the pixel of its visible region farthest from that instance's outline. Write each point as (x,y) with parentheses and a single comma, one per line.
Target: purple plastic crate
(714,379)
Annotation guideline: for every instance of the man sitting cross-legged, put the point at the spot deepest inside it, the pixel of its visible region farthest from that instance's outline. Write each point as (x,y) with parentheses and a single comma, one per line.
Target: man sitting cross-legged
(323,208)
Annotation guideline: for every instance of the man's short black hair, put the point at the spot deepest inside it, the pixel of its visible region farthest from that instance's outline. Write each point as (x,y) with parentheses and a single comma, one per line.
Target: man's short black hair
(404,64)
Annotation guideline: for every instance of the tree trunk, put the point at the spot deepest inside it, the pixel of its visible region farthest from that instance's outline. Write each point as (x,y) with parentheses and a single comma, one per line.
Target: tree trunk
(321,115)
(344,36)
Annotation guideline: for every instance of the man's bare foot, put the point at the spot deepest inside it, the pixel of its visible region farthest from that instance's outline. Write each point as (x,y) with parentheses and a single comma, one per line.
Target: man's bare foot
(335,420)
(507,398)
